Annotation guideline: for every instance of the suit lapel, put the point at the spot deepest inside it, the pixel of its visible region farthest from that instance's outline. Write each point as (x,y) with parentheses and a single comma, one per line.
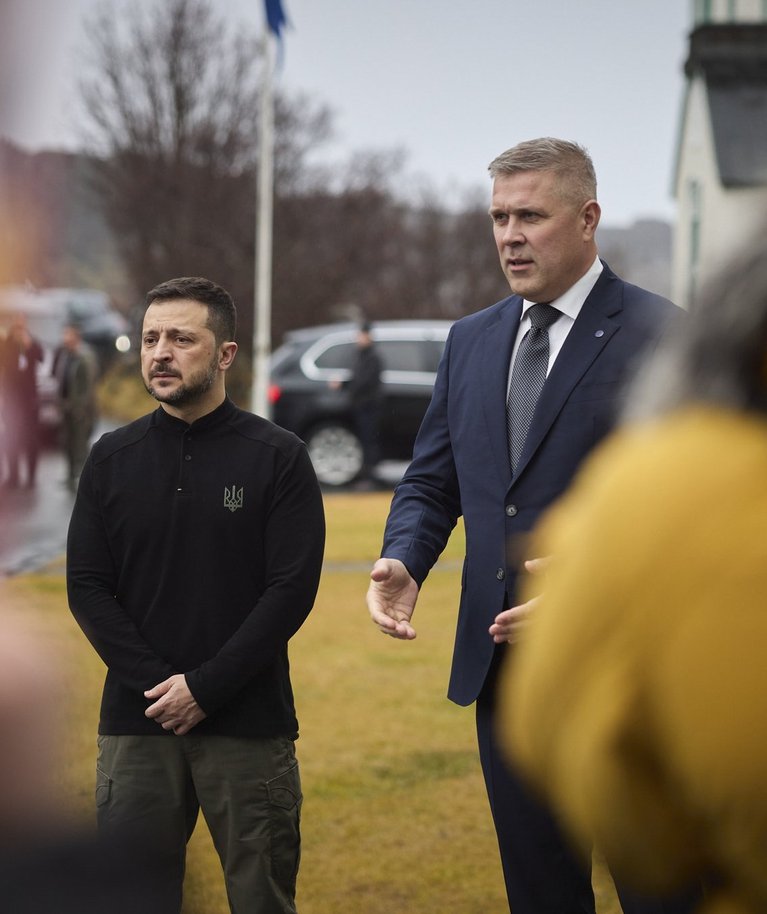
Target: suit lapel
(597,322)
(495,352)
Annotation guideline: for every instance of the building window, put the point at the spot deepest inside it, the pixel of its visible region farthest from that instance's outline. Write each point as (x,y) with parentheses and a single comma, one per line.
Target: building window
(702,11)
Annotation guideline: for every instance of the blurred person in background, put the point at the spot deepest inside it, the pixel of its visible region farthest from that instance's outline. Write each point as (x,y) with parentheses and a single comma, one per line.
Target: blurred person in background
(20,356)
(366,398)
(193,556)
(76,370)
(525,389)
(653,614)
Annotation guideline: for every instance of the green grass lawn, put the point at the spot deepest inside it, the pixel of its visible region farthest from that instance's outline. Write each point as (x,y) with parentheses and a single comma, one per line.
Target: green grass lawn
(395,818)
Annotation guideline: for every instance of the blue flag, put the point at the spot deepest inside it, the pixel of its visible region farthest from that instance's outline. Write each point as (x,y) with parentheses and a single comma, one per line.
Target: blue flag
(275,17)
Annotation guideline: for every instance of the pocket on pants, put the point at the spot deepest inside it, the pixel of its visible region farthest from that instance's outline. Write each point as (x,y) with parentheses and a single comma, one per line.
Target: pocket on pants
(103,787)
(285,799)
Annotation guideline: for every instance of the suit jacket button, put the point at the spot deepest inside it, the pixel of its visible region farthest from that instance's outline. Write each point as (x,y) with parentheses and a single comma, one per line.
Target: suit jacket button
(511,510)
(500,574)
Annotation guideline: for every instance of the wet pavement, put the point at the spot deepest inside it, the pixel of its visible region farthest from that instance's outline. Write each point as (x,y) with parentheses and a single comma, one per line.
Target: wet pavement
(33,522)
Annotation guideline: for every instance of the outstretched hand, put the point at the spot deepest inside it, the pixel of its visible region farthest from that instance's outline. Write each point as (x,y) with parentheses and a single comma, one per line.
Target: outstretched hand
(175,708)
(391,598)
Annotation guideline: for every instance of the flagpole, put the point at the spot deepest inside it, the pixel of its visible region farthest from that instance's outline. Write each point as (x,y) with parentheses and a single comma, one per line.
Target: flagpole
(262,305)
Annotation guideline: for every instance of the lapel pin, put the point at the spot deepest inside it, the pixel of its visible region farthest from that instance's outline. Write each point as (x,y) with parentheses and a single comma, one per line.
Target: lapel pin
(598,333)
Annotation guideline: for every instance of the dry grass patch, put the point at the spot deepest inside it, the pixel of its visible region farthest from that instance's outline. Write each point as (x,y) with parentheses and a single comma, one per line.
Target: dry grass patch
(395,817)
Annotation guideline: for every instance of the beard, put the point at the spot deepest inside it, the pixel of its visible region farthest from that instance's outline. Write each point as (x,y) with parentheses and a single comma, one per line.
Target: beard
(192,391)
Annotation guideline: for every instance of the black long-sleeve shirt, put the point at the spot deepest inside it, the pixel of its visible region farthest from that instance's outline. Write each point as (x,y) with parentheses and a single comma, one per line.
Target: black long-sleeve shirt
(197,549)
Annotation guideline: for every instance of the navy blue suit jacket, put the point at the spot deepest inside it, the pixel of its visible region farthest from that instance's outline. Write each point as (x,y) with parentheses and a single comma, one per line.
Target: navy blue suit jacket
(460,460)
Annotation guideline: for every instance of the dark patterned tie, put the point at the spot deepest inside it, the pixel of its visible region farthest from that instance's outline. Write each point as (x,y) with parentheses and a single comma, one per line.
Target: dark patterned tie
(527,378)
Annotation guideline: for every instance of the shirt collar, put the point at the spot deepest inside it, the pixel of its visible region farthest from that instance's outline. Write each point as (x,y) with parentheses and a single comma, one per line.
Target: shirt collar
(219,415)
(572,301)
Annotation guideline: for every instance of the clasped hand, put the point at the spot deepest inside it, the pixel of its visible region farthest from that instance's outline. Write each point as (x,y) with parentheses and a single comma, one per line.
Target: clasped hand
(175,708)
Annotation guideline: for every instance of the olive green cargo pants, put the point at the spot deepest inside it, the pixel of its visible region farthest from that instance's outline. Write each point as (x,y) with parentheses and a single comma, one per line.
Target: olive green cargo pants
(149,790)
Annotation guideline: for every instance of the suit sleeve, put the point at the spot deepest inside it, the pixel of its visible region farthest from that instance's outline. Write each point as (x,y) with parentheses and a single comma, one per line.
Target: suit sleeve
(426,504)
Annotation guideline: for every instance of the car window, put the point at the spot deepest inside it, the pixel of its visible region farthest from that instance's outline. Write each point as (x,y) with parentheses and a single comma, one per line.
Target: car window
(341,355)
(284,359)
(432,352)
(403,355)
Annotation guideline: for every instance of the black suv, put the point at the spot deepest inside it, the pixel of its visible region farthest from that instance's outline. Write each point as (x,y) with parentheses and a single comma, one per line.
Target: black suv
(303,400)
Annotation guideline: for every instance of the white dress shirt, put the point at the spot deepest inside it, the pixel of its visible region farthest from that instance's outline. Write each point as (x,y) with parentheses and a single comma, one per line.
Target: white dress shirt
(569,304)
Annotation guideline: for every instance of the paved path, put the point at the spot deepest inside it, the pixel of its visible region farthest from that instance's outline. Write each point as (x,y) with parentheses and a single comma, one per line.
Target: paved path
(33,522)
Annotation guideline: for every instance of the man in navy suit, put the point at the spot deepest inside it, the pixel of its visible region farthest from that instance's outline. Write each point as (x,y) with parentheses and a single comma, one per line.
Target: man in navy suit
(545,215)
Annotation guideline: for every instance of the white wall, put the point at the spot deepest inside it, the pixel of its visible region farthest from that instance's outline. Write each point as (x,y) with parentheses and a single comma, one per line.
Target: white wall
(730,11)
(728,219)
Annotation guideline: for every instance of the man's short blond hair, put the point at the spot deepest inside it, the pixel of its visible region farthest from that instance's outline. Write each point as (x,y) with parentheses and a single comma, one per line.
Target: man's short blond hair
(569,161)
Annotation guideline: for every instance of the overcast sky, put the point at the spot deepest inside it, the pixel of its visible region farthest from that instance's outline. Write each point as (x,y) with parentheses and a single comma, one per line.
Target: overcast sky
(452,82)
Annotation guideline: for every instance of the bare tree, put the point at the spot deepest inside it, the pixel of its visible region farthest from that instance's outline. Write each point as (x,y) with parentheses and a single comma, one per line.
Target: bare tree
(172,94)
(172,97)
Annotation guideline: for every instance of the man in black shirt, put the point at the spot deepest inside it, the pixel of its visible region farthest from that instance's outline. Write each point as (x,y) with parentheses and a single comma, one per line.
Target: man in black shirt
(194,555)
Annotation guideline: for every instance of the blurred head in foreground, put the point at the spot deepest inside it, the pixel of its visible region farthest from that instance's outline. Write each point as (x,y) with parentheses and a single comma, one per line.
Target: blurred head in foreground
(50,863)
(653,614)
(719,356)
(29,687)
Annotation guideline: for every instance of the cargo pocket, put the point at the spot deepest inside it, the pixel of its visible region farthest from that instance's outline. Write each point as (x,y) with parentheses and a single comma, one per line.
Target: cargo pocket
(103,788)
(285,799)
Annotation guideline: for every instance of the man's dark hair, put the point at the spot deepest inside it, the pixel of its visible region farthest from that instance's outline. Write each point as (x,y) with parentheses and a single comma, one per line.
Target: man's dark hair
(222,314)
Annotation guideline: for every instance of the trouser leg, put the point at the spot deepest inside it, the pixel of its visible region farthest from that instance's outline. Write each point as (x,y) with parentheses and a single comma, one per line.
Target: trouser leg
(542,872)
(367,421)
(66,433)
(79,452)
(12,461)
(145,801)
(250,795)
(32,449)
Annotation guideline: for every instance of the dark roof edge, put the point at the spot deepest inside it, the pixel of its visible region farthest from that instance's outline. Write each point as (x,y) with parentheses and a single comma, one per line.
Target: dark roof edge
(728,49)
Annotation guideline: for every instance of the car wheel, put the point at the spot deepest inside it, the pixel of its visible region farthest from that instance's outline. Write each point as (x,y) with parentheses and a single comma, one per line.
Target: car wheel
(336,454)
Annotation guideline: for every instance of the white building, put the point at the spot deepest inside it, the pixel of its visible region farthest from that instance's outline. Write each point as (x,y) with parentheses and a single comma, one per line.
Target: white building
(720,180)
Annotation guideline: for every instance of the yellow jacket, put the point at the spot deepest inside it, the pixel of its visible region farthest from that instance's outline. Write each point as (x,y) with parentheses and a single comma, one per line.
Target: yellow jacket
(638,700)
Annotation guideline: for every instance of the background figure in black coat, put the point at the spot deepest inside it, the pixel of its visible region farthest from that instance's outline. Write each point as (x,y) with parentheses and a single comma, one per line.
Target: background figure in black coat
(76,369)
(20,355)
(364,389)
